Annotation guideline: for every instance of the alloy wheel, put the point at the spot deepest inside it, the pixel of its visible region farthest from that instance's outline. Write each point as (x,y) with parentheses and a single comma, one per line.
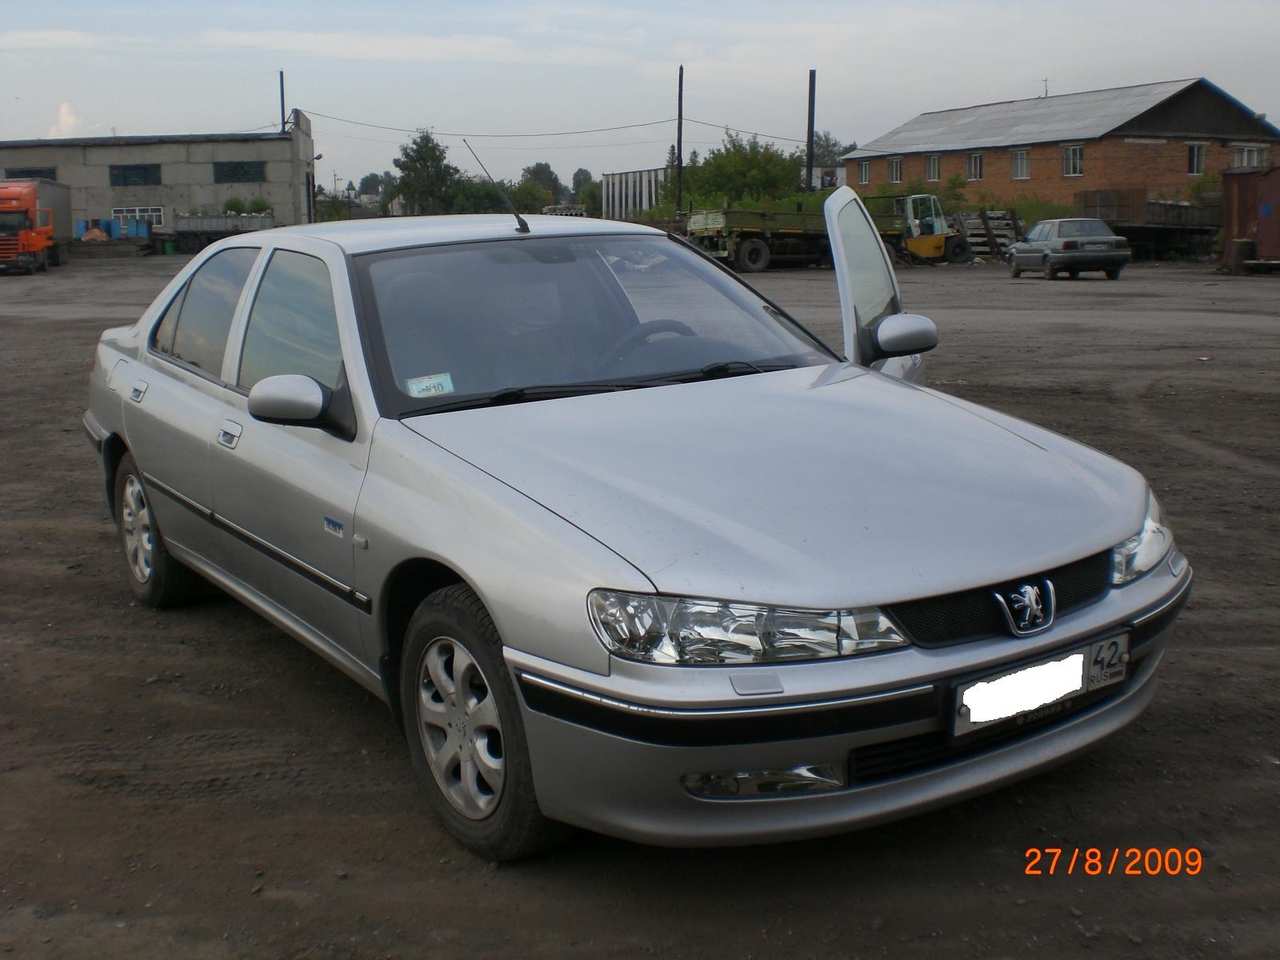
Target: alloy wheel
(460,728)
(135,524)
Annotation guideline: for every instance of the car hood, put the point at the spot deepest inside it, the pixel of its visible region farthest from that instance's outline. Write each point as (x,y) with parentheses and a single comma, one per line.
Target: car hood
(814,487)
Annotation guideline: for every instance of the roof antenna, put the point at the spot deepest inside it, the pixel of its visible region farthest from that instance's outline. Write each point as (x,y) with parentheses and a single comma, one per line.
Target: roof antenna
(521,226)
(1046,86)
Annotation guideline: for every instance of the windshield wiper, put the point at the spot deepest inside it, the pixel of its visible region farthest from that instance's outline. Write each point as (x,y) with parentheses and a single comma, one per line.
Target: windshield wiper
(508,395)
(733,368)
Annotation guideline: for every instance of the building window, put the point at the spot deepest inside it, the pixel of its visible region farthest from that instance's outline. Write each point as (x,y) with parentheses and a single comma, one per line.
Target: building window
(975,166)
(864,171)
(31,173)
(895,169)
(1073,160)
(1021,165)
(1195,159)
(932,165)
(1250,156)
(152,215)
(240,171)
(135,174)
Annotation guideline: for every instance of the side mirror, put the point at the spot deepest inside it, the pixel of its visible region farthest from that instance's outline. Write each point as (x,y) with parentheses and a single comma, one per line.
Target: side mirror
(289,398)
(901,334)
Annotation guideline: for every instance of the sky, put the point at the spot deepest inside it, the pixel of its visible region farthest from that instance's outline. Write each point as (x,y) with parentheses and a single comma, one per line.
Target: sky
(91,68)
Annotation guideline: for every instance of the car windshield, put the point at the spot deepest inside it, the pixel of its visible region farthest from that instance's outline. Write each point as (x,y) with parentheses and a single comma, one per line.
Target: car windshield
(512,320)
(13,221)
(1083,228)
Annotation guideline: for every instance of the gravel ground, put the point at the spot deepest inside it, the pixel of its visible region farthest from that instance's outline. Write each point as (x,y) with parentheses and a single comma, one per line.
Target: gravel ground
(195,784)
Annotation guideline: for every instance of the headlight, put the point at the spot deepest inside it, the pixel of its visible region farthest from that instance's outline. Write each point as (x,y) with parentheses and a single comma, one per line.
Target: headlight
(1144,550)
(655,629)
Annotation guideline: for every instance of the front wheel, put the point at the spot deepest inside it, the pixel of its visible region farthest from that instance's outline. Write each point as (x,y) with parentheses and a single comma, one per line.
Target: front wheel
(1113,273)
(1014,270)
(466,736)
(1050,271)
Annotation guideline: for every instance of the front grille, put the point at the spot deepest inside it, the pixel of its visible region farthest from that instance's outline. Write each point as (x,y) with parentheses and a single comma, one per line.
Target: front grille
(974,614)
(8,248)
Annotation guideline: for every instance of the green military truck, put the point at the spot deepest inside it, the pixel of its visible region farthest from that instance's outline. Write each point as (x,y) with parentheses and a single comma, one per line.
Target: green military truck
(752,239)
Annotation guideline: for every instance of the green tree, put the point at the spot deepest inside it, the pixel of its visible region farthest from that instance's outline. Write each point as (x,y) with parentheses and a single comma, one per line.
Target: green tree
(370,183)
(591,196)
(426,177)
(671,156)
(581,177)
(743,168)
(474,195)
(542,174)
(827,150)
(530,196)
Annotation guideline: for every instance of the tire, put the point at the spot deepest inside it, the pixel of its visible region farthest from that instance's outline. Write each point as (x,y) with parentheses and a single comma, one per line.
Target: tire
(1014,270)
(956,250)
(752,256)
(55,258)
(1050,271)
(1113,273)
(155,578)
(469,751)
(42,264)
(1074,274)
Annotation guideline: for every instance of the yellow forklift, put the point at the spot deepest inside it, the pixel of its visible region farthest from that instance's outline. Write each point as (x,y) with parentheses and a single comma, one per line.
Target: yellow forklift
(915,227)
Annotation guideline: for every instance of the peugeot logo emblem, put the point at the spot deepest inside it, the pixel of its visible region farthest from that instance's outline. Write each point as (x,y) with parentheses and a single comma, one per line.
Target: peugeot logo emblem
(1028,608)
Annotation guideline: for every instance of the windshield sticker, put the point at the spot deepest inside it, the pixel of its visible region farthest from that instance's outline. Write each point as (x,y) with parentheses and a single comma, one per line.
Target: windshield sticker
(432,385)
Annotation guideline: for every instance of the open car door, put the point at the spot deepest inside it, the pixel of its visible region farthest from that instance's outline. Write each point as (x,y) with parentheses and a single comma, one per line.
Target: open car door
(876,331)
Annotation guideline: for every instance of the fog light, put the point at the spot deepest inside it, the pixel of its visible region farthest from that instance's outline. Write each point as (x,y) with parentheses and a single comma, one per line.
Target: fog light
(801,779)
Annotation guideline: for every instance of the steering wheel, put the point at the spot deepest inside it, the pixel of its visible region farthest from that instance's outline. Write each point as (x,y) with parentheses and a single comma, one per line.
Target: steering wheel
(623,346)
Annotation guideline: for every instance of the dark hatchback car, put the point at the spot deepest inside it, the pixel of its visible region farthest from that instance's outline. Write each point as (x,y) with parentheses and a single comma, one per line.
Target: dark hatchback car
(1070,247)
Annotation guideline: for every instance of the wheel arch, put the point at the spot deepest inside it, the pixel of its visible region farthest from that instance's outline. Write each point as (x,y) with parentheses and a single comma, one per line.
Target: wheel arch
(113,451)
(409,583)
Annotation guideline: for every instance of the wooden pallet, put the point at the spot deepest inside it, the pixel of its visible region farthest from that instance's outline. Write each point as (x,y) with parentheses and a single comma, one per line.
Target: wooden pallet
(990,232)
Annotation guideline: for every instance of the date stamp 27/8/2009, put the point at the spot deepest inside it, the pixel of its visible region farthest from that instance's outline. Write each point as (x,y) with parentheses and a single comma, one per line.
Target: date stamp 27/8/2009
(1113,861)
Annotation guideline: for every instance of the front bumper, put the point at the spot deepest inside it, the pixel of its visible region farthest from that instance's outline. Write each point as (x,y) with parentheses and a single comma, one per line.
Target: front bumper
(610,760)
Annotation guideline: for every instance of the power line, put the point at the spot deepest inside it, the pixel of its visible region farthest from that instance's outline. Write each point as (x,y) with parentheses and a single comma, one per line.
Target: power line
(754,133)
(499,136)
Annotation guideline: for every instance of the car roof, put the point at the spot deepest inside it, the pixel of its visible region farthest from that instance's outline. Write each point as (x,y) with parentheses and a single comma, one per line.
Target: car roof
(390,233)
(1074,220)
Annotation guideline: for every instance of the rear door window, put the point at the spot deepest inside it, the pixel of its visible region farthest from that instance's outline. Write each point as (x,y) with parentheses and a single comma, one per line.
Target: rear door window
(207,308)
(293,326)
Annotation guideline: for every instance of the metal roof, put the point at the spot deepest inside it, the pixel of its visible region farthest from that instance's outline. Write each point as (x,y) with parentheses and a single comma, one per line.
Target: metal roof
(1068,116)
(144,140)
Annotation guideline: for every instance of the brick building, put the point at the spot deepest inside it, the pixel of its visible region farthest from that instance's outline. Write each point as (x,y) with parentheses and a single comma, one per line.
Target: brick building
(1158,137)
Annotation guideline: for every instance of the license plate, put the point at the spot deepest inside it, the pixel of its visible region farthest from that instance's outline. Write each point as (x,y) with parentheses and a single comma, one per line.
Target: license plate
(1097,246)
(1037,688)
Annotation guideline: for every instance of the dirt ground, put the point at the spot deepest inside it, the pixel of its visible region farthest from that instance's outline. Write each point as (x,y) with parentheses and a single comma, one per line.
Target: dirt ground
(195,784)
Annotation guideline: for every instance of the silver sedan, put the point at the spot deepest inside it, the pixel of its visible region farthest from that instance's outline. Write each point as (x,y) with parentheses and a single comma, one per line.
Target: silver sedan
(1069,246)
(619,542)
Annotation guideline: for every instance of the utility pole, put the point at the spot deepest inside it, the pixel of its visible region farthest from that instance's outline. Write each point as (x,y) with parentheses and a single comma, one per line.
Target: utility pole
(808,158)
(282,101)
(680,140)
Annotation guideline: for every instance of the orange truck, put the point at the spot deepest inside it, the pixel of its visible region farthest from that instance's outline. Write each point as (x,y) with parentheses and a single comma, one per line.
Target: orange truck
(35,224)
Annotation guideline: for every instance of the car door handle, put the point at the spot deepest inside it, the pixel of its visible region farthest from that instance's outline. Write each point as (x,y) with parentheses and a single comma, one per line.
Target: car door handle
(138,391)
(229,434)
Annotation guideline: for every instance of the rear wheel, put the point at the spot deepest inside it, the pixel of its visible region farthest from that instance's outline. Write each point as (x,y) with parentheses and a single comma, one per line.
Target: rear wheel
(1014,270)
(466,736)
(42,263)
(155,578)
(1074,274)
(1050,271)
(753,255)
(1113,273)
